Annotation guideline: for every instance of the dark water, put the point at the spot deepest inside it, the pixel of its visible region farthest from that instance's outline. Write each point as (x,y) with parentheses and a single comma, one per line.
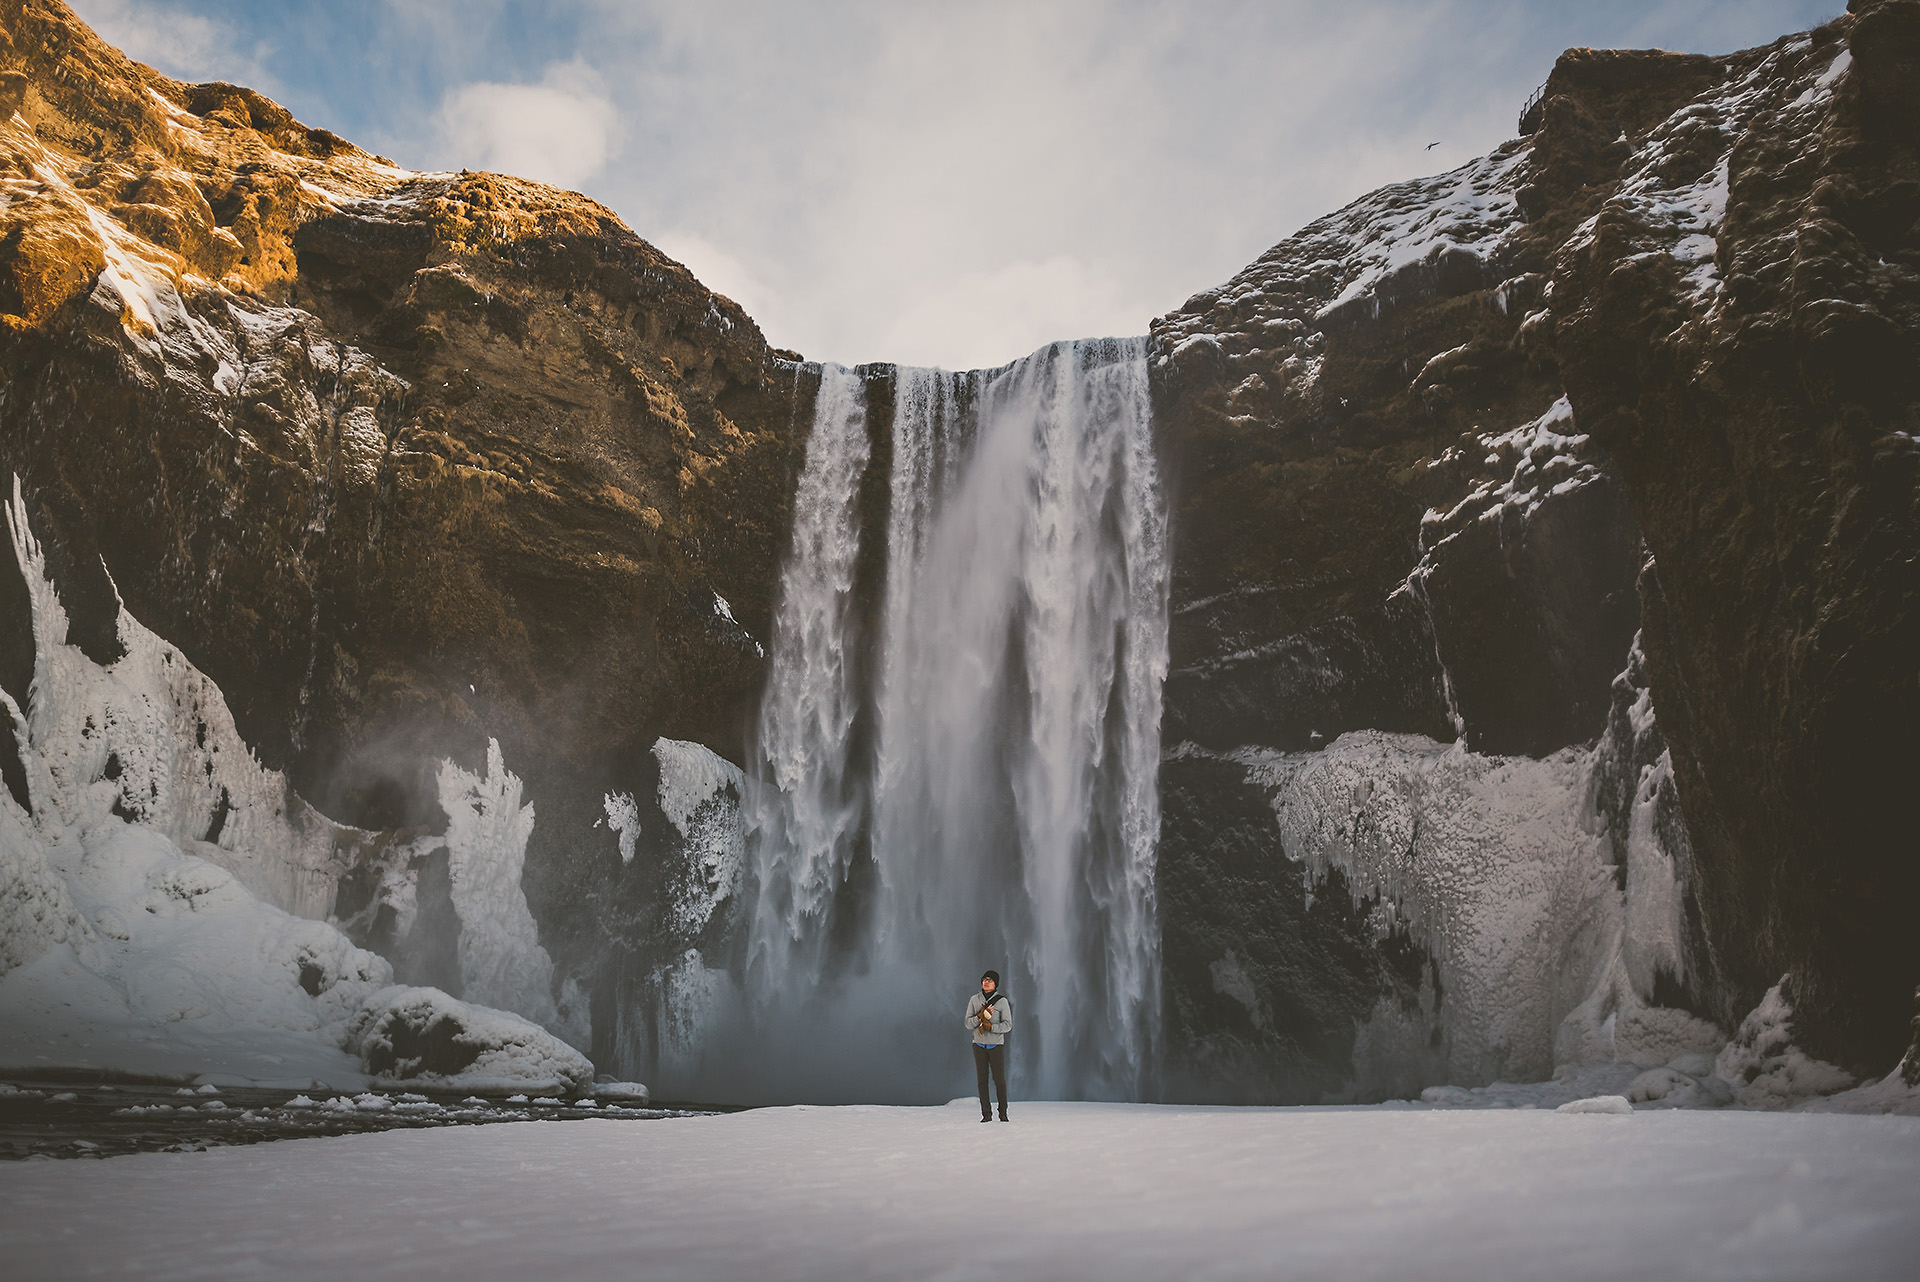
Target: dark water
(45,1119)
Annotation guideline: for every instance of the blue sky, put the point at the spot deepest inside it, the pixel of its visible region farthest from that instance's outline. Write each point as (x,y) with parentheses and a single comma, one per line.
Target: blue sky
(946,183)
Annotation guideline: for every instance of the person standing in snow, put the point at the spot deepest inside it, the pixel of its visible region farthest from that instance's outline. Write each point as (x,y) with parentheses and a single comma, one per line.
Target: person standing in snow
(989,1019)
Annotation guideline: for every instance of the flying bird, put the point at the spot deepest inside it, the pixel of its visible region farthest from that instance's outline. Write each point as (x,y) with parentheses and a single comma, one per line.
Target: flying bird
(1432,145)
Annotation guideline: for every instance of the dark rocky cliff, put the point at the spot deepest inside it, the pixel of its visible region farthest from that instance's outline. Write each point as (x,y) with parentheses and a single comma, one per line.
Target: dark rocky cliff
(1649,368)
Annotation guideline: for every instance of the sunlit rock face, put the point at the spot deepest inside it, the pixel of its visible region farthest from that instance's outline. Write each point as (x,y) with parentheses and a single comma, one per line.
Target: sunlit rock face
(1439,457)
(403,462)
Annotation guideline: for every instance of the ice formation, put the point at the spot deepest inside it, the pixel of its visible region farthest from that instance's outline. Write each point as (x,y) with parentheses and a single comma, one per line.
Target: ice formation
(158,895)
(1550,916)
(1485,861)
(623,817)
(501,960)
(1763,1065)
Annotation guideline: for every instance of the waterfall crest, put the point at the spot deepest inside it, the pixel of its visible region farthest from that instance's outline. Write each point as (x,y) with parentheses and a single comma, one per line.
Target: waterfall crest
(971,783)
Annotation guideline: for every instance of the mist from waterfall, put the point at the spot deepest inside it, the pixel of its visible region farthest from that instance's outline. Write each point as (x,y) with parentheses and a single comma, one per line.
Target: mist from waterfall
(963,773)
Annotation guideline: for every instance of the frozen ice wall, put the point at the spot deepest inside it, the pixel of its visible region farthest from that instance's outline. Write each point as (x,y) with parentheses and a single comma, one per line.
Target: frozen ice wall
(971,782)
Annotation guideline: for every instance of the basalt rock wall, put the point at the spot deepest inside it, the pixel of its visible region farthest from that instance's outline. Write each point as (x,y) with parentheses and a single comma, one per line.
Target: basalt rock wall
(1765,424)
(1646,371)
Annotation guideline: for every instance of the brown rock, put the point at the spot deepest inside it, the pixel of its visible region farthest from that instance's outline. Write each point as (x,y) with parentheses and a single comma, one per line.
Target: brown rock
(403,461)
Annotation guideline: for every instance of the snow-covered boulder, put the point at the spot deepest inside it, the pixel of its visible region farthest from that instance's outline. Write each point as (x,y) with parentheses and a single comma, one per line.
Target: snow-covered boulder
(421,1036)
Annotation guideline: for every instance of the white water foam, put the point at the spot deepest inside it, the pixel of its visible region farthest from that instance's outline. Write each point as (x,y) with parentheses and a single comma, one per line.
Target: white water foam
(975,785)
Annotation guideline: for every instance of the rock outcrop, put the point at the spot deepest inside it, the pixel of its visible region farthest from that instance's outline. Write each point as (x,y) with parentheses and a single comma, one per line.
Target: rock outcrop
(1441,455)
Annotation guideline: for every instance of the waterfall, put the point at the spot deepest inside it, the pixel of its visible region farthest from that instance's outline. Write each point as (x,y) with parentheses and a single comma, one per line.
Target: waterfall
(1001,811)
(808,805)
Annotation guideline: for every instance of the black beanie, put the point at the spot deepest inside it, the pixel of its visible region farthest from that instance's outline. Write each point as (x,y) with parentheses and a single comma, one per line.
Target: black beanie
(994,975)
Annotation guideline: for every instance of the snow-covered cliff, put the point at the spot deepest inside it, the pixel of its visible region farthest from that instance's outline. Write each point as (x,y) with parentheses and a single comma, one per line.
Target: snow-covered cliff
(163,895)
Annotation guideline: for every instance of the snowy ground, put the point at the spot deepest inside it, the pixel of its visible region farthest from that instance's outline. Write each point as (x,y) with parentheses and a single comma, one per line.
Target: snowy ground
(1064,1191)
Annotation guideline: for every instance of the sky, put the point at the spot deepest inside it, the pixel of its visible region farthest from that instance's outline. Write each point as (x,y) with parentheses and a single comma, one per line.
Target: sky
(951,182)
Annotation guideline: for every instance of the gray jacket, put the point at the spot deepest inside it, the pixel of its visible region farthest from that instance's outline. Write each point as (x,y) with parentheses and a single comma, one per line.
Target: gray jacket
(1002,1021)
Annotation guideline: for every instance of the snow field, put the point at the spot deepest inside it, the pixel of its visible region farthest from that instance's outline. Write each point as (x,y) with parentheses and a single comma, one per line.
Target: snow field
(1064,1191)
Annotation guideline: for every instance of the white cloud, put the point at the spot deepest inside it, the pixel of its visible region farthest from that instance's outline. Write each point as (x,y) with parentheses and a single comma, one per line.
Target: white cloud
(983,318)
(176,42)
(956,183)
(559,131)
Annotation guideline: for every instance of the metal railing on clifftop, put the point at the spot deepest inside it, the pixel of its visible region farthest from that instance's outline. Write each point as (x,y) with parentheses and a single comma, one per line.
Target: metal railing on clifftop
(1530,114)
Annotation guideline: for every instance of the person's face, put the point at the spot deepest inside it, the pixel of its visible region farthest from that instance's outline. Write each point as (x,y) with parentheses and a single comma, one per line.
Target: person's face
(986,985)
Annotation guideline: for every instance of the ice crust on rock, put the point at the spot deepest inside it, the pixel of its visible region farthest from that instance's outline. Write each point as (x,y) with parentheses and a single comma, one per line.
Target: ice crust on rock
(130,941)
(421,1035)
(621,1091)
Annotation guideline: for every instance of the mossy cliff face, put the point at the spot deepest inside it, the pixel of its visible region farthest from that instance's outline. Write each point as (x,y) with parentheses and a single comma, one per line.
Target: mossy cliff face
(403,461)
(1439,456)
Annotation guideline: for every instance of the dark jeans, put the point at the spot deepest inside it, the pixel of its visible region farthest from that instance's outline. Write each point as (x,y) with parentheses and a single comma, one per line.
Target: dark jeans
(994,1057)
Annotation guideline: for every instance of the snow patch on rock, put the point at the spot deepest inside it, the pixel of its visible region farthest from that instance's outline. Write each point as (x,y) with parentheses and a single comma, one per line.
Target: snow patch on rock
(1677,181)
(700,795)
(1548,459)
